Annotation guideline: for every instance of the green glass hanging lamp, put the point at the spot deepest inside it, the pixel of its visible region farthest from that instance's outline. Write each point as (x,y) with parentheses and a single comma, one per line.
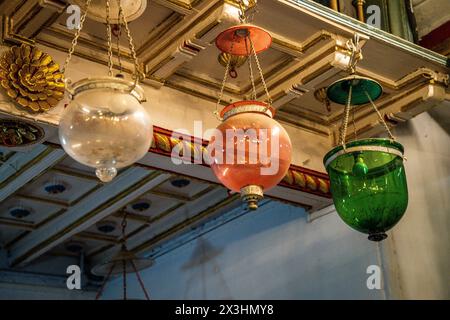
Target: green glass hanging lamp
(367,176)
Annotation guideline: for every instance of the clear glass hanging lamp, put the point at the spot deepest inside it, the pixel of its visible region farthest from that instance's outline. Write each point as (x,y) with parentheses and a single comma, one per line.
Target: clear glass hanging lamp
(105,125)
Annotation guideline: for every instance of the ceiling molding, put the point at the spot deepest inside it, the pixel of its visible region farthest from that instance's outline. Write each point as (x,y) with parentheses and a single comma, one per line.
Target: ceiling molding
(133,182)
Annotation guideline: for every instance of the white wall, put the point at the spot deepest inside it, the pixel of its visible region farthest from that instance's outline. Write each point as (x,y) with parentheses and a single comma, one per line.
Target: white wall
(418,250)
(273,253)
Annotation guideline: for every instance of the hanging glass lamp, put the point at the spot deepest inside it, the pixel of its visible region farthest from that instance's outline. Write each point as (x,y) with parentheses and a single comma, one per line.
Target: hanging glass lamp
(255,150)
(367,176)
(266,150)
(105,125)
(368,184)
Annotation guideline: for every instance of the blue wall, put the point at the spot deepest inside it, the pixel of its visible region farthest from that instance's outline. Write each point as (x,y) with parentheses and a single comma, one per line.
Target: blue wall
(273,253)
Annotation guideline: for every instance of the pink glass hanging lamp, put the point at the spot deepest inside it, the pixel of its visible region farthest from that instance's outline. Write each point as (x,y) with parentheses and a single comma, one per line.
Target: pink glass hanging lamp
(251,152)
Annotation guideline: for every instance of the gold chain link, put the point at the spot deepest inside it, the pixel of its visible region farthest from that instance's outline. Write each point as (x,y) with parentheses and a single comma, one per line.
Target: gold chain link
(250,69)
(222,87)
(269,99)
(346,116)
(242,15)
(224,81)
(77,35)
(119,33)
(354,124)
(109,37)
(124,227)
(137,73)
(391,136)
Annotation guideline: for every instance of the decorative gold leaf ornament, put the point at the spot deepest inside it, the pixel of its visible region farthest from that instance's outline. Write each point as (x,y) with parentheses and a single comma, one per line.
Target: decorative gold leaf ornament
(233,61)
(31,78)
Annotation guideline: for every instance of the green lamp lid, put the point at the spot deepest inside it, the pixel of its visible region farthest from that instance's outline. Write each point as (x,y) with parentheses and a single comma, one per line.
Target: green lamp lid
(338,91)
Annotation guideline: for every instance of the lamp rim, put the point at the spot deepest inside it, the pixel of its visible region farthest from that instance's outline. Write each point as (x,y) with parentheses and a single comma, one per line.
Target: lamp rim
(244,106)
(227,41)
(338,84)
(106,82)
(370,144)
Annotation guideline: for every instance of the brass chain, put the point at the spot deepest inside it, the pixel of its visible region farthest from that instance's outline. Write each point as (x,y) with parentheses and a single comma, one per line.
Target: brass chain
(137,73)
(242,15)
(109,38)
(391,136)
(250,68)
(77,35)
(269,99)
(124,227)
(119,33)
(344,124)
(354,124)
(222,88)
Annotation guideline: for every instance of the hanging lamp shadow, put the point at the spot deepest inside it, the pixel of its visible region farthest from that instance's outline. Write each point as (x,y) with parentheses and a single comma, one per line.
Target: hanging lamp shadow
(115,266)
(123,263)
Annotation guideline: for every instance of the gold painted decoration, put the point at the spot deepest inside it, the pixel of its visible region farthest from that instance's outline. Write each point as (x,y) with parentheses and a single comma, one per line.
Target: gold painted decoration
(233,61)
(321,96)
(31,78)
(15,133)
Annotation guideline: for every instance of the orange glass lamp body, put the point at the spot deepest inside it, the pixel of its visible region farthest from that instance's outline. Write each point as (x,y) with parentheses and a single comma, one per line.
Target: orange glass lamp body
(250,152)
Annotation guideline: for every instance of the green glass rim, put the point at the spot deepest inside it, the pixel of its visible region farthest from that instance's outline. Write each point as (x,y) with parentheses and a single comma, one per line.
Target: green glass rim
(371,144)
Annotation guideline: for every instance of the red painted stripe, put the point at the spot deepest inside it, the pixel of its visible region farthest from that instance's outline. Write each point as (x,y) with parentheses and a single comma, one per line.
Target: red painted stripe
(436,37)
